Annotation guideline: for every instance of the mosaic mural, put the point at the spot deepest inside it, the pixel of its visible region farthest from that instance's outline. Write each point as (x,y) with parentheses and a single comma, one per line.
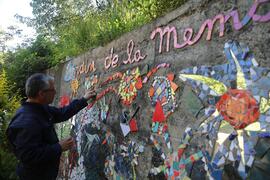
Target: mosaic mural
(155,117)
(235,115)
(157,120)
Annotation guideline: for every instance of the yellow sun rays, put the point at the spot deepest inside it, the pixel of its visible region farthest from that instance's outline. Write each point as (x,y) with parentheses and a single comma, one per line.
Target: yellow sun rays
(240,138)
(264,104)
(240,77)
(218,87)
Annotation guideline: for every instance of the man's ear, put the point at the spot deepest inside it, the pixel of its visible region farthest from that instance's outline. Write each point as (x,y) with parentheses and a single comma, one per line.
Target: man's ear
(40,94)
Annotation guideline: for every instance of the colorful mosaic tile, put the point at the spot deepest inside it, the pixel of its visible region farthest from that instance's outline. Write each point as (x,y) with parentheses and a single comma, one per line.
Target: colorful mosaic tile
(70,73)
(74,87)
(154,70)
(163,90)
(124,159)
(241,107)
(90,81)
(129,84)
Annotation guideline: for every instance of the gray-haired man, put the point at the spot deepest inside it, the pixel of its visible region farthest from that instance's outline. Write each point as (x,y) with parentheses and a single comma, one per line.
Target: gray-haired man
(31,132)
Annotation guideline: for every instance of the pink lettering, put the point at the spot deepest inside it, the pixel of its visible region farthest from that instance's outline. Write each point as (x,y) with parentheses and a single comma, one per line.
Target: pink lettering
(91,67)
(209,24)
(115,61)
(83,68)
(111,60)
(162,33)
(130,47)
(136,57)
(107,63)
(259,18)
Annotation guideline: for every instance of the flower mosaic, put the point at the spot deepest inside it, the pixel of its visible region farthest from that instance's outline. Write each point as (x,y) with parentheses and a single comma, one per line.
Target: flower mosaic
(129,84)
(240,112)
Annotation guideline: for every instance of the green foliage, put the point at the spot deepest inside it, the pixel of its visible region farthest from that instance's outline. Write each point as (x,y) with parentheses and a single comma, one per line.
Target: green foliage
(77,26)
(97,27)
(9,102)
(7,165)
(20,64)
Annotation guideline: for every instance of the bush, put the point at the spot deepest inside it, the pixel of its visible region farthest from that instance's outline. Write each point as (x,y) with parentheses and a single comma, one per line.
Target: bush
(8,164)
(8,104)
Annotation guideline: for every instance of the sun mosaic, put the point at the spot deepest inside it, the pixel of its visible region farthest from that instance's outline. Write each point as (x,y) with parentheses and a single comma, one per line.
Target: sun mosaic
(237,94)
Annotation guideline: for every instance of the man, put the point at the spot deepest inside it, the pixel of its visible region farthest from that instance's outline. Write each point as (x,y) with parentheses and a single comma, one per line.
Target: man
(31,132)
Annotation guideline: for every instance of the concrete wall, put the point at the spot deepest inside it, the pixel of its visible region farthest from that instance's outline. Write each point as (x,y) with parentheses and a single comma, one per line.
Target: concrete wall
(204,52)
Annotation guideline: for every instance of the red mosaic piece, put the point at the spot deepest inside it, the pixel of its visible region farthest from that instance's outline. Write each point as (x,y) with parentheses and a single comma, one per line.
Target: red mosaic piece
(158,115)
(133,125)
(64,101)
(239,108)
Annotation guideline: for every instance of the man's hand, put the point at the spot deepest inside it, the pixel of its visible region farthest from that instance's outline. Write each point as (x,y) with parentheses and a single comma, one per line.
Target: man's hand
(91,94)
(66,144)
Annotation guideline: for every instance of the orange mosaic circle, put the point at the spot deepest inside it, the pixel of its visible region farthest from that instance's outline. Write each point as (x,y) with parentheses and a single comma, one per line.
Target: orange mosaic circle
(239,108)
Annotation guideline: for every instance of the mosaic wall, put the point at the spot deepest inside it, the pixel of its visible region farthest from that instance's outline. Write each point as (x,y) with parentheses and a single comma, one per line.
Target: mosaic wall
(192,112)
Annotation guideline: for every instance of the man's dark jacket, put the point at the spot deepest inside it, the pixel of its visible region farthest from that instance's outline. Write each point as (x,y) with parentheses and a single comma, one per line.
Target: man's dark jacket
(34,141)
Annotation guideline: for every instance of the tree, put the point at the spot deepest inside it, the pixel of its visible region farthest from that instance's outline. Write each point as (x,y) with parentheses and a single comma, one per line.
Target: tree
(10,33)
(53,14)
(19,65)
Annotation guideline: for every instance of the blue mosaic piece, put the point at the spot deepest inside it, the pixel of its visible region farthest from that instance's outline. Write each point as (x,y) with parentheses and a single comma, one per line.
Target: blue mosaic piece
(70,73)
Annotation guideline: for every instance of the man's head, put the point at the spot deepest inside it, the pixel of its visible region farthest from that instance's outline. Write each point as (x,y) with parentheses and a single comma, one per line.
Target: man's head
(40,88)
